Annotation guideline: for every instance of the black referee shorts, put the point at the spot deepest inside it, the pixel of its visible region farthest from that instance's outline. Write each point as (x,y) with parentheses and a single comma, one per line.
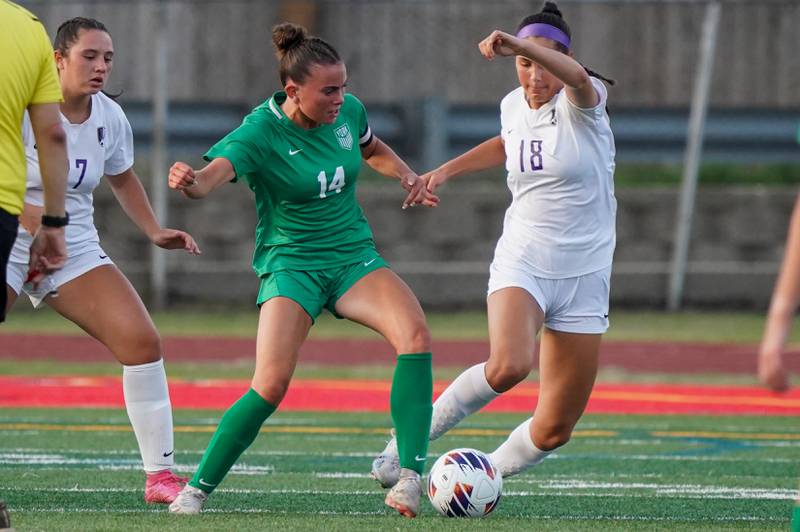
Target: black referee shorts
(8,233)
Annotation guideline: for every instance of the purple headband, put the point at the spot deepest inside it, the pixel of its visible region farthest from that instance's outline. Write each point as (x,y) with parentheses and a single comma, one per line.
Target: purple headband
(540,29)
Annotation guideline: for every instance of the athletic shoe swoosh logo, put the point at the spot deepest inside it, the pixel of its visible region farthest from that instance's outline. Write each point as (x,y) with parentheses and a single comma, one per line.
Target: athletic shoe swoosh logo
(169,453)
(369,262)
(418,459)
(293,152)
(103,256)
(204,483)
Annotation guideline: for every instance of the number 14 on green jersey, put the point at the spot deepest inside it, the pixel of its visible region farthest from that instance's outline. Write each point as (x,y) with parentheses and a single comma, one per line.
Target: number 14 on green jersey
(336,184)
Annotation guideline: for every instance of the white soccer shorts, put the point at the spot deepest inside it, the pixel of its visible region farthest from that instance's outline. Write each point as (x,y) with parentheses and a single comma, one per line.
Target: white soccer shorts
(16,272)
(572,305)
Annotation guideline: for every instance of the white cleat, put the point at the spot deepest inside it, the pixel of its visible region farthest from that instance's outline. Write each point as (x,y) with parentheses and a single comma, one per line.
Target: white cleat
(189,501)
(386,469)
(386,466)
(405,495)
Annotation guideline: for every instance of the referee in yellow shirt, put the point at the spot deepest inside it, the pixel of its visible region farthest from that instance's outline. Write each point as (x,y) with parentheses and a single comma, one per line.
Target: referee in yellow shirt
(28,80)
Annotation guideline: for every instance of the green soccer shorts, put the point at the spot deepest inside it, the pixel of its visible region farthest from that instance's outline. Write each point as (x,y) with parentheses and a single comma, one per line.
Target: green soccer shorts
(314,290)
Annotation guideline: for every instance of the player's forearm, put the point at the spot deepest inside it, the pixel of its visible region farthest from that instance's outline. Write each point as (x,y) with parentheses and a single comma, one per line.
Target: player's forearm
(51,142)
(213,175)
(133,198)
(386,162)
(486,155)
(562,66)
(786,296)
(53,166)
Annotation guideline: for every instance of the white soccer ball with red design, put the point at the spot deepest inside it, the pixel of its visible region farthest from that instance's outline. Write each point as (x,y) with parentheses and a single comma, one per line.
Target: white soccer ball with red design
(464,483)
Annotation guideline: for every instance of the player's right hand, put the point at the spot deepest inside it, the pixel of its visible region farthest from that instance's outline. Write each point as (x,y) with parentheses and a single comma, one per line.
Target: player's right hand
(48,253)
(499,43)
(181,176)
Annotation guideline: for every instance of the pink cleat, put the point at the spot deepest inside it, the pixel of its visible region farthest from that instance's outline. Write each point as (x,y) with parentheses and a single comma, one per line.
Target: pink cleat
(162,487)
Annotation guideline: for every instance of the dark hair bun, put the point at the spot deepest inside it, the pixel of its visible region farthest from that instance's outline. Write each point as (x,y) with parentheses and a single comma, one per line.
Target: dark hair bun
(286,36)
(551,7)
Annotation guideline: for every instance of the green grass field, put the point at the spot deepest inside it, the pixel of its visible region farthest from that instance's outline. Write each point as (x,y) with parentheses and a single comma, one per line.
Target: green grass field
(79,469)
(307,471)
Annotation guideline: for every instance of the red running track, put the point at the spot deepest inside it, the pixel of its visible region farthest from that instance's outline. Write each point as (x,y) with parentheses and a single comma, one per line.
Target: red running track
(656,357)
(373,396)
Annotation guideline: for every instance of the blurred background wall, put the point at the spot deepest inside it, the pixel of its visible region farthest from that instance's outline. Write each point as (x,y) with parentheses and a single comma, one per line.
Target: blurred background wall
(403,50)
(429,93)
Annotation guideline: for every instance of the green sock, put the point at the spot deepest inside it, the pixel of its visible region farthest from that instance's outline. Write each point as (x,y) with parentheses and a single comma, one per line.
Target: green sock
(796,518)
(236,431)
(411,405)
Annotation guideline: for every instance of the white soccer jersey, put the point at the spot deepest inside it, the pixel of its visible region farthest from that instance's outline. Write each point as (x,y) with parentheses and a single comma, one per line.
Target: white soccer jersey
(560,163)
(102,145)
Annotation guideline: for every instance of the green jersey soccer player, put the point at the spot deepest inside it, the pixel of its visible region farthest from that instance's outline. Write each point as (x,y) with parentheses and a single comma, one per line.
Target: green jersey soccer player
(300,153)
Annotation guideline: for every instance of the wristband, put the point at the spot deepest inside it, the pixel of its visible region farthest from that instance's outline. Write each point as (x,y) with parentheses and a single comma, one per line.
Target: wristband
(55,221)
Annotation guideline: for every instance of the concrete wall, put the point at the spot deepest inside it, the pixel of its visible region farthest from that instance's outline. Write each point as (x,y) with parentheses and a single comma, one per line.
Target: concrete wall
(444,253)
(401,51)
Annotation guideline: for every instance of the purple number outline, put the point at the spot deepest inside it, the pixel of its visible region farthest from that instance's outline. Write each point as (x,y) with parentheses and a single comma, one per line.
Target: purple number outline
(82,164)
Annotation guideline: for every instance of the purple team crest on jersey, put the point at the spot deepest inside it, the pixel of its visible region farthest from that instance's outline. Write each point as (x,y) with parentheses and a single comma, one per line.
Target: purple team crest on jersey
(101,136)
(344,137)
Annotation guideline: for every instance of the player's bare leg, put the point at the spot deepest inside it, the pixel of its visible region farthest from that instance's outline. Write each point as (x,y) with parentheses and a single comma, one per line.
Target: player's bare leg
(567,371)
(104,304)
(283,326)
(514,319)
(383,302)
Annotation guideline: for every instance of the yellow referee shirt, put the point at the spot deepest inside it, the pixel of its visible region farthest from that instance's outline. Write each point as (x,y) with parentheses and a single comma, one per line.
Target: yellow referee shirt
(28,76)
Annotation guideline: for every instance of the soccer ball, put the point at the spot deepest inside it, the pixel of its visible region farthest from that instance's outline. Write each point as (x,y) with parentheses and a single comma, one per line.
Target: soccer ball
(464,483)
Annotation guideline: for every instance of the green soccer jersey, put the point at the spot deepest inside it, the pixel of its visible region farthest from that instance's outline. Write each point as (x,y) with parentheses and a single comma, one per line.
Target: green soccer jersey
(304,181)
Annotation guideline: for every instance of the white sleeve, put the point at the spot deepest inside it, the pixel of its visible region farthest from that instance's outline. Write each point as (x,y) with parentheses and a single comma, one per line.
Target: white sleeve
(27,131)
(589,114)
(119,155)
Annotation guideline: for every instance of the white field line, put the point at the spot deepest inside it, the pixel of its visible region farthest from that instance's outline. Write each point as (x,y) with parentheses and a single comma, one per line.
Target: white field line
(537,517)
(134,452)
(16,456)
(592,489)
(60,510)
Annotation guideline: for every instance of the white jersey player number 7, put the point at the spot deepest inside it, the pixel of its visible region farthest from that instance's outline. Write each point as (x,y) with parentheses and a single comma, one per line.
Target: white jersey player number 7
(102,145)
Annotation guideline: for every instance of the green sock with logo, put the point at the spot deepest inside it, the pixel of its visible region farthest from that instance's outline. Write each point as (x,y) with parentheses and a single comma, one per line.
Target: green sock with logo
(411,404)
(236,431)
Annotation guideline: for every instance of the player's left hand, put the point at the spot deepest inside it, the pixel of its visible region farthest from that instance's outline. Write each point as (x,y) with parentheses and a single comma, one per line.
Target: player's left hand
(499,43)
(174,239)
(418,193)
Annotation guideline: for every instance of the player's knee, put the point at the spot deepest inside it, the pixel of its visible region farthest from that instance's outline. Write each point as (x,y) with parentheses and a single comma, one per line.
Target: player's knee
(417,339)
(141,348)
(551,437)
(272,391)
(507,373)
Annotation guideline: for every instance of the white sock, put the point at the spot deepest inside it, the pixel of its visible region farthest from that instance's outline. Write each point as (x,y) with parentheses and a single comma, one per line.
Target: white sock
(466,395)
(518,452)
(150,412)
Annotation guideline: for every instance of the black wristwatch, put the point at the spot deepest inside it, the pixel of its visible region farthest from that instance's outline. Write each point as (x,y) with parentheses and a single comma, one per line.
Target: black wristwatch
(55,221)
